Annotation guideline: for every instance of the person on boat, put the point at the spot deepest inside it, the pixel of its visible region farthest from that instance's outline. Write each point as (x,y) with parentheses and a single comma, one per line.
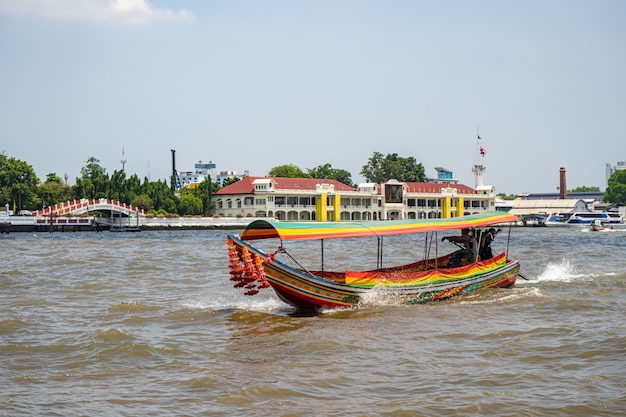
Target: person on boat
(487,237)
(467,242)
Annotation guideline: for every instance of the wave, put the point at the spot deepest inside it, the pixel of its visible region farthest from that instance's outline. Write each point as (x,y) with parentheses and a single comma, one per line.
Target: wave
(559,272)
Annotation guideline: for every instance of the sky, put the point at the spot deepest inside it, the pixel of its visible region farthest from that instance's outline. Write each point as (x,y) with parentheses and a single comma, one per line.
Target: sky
(250,85)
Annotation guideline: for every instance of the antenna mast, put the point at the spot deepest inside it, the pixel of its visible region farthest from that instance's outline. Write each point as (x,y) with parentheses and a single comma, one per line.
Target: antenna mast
(123,160)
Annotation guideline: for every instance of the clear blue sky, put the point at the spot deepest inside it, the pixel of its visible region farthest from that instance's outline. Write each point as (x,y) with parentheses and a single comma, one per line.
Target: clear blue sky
(251,85)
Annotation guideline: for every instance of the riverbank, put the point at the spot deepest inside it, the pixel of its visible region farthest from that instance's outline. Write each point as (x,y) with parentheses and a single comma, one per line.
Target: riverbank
(13,224)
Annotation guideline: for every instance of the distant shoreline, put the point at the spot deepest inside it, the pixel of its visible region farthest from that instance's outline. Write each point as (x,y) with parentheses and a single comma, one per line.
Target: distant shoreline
(17,224)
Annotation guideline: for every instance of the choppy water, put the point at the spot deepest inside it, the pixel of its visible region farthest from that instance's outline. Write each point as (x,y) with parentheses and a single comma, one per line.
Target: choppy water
(114,324)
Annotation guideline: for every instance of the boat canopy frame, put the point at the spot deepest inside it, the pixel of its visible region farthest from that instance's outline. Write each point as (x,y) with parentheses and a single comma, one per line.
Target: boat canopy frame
(292,230)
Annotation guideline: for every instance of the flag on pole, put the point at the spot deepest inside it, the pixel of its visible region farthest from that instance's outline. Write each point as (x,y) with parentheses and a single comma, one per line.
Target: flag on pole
(482,151)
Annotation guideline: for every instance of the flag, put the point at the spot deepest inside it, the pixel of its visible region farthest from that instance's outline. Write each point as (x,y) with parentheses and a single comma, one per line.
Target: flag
(482,151)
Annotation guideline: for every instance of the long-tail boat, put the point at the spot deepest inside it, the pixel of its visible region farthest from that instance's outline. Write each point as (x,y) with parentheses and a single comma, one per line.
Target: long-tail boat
(429,279)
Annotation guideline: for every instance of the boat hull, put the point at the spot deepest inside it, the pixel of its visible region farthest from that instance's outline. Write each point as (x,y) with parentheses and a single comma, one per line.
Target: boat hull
(308,292)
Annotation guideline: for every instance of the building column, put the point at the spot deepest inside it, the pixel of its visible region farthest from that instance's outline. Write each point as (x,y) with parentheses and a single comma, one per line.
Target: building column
(337,208)
(446,209)
(460,206)
(321,208)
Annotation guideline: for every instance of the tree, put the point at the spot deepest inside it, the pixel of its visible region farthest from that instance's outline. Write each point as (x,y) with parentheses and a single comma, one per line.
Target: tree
(616,191)
(18,184)
(383,168)
(326,171)
(53,190)
(161,194)
(287,171)
(584,189)
(143,202)
(117,187)
(507,197)
(93,182)
(228,181)
(189,205)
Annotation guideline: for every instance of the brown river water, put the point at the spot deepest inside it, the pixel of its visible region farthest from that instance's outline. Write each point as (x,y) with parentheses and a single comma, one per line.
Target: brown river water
(148,324)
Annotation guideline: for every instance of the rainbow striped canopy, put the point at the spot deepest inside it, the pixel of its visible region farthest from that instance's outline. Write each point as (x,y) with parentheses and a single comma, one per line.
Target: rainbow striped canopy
(287,230)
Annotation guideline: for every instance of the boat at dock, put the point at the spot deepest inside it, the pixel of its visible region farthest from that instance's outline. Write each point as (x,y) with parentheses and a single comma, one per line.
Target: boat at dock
(470,268)
(584,219)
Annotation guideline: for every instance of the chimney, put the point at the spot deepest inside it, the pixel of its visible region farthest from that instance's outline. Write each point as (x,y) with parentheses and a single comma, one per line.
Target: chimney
(173,161)
(562,186)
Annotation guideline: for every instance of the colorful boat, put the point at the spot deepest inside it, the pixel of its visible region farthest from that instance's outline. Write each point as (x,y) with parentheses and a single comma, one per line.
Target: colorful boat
(430,279)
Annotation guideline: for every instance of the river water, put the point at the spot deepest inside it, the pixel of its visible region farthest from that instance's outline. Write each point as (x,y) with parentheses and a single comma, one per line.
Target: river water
(130,324)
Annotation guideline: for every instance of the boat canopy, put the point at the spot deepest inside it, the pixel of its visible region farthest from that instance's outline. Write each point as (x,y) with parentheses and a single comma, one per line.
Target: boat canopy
(287,230)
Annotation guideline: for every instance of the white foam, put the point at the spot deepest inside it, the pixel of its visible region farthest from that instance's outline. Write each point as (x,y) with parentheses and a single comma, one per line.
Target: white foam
(239,302)
(561,272)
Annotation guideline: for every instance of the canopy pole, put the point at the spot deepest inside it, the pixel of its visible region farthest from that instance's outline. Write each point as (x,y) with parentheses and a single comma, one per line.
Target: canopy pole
(426,251)
(508,239)
(322,240)
(436,249)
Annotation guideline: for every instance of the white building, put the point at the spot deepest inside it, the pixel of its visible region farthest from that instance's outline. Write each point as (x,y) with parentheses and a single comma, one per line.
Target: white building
(331,200)
(610,169)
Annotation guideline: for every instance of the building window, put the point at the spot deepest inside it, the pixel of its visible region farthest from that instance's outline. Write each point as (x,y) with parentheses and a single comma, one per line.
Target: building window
(279,200)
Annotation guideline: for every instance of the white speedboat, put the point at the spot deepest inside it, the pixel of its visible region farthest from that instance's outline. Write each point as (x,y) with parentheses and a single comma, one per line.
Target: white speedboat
(584,219)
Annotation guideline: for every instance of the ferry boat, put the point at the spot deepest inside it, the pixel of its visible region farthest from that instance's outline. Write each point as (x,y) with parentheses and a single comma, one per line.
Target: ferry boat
(584,219)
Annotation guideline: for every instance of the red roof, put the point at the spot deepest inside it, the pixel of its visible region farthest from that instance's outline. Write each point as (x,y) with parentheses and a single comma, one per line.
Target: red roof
(435,188)
(246,186)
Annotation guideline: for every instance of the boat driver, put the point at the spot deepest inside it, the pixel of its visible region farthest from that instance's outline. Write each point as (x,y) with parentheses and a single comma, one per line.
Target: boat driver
(467,242)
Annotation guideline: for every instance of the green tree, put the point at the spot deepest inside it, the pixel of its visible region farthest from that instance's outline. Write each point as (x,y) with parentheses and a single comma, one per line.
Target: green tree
(142,201)
(326,171)
(18,184)
(53,190)
(189,204)
(204,191)
(229,181)
(287,171)
(616,191)
(507,197)
(117,187)
(391,166)
(584,189)
(161,194)
(94,181)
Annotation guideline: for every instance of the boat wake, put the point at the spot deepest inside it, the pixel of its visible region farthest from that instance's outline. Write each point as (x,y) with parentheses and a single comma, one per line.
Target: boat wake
(561,272)
(224,303)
